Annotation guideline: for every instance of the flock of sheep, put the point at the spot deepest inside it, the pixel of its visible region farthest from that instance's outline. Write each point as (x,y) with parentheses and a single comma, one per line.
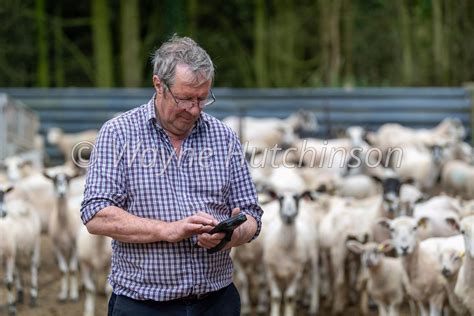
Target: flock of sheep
(36,201)
(381,218)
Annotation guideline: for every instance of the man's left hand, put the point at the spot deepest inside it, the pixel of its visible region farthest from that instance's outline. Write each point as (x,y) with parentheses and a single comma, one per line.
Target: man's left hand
(241,234)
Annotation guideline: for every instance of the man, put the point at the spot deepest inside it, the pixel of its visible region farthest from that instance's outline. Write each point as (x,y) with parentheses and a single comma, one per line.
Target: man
(162,176)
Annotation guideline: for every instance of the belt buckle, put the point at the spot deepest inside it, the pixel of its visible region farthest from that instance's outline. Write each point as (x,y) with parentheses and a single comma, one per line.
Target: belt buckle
(201,296)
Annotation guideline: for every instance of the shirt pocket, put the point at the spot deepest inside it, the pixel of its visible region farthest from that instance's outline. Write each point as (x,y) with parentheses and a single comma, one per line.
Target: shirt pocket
(208,179)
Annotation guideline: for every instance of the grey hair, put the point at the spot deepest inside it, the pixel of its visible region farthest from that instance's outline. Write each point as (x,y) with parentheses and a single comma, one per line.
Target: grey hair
(182,50)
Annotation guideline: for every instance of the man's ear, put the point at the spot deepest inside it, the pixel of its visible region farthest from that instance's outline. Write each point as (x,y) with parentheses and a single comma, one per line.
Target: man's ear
(157,84)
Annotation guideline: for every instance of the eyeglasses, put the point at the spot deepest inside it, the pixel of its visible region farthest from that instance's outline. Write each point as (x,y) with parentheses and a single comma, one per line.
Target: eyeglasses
(187,104)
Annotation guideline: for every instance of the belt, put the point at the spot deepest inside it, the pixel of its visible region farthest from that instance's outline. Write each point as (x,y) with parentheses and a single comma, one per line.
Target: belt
(198,297)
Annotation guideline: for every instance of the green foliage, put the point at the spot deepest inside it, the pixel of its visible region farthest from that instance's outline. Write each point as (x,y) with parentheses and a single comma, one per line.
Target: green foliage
(254,43)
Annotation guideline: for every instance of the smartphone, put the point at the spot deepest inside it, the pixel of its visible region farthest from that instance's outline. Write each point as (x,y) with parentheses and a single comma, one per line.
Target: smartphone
(229,224)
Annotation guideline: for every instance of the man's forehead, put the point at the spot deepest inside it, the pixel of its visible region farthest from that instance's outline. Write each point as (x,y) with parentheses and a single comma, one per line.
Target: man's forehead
(184,75)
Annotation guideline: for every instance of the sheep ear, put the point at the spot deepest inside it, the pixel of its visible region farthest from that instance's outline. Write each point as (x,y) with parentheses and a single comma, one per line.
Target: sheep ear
(355,246)
(46,175)
(384,222)
(386,246)
(271,193)
(423,222)
(377,178)
(309,195)
(453,223)
(322,189)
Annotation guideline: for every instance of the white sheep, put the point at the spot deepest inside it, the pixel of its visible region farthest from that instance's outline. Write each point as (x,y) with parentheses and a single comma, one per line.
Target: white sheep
(20,246)
(437,210)
(290,244)
(94,254)
(449,252)
(66,143)
(268,132)
(63,229)
(385,275)
(391,135)
(464,289)
(346,219)
(418,164)
(457,177)
(425,283)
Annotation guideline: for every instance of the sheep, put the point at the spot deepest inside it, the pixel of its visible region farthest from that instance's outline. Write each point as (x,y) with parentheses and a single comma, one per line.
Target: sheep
(332,155)
(417,164)
(409,196)
(425,283)
(437,210)
(385,275)
(457,177)
(347,219)
(358,186)
(94,254)
(39,191)
(449,252)
(290,244)
(392,135)
(464,289)
(66,143)
(63,229)
(466,208)
(250,273)
(20,246)
(268,132)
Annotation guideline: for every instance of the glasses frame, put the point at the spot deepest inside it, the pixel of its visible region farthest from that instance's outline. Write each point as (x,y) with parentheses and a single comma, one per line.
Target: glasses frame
(200,105)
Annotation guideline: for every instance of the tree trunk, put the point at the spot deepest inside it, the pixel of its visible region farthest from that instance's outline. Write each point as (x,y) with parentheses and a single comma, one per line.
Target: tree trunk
(102,42)
(43,62)
(130,43)
(439,47)
(260,44)
(407,52)
(58,46)
(348,34)
(193,13)
(335,40)
(330,16)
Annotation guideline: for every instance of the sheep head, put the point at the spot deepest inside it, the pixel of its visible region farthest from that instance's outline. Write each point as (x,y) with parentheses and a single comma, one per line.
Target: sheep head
(403,231)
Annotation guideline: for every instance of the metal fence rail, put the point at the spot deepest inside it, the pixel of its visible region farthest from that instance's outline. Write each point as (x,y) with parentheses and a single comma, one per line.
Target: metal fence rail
(76,109)
(18,127)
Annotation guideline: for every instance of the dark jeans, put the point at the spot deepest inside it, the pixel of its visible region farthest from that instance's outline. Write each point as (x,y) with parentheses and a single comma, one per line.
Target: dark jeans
(226,302)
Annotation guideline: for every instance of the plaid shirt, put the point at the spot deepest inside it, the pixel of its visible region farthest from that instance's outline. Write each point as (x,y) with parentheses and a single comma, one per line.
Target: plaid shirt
(134,167)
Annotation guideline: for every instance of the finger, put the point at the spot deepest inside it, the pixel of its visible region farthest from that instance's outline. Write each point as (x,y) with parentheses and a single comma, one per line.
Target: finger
(193,228)
(207,244)
(208,216)
(204,214)
(207,240)
(235,211)
(217,236)
(196,219)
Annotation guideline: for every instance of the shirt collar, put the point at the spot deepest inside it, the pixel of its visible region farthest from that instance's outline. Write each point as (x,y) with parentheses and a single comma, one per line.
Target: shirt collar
(150,110)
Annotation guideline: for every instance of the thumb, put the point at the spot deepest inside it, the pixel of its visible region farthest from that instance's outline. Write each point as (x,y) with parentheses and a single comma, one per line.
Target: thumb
(236,211)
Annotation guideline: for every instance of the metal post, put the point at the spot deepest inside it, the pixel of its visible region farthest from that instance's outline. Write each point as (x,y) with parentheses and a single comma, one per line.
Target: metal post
(470,88)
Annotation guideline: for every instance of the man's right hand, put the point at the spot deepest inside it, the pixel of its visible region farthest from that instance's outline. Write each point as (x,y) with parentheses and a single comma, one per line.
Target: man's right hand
(198,223)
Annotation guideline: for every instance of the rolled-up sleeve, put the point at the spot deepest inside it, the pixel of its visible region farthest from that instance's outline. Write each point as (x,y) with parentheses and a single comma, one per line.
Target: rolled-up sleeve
(105,182)
(242,190)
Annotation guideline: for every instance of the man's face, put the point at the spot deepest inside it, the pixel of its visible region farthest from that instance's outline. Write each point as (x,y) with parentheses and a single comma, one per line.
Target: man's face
(174,120)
